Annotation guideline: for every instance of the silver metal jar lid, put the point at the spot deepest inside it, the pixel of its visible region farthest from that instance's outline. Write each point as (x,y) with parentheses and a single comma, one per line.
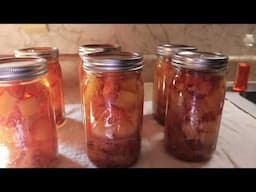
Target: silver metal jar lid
(14,68)
(198,60)
(169,50)
(113,61)
(95,48)
(45,52)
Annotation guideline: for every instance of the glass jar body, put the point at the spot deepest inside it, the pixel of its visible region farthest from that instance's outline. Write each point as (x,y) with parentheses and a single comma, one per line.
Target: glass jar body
(27,124)
(55,80)
(163,71)
(113,113)
(195,104)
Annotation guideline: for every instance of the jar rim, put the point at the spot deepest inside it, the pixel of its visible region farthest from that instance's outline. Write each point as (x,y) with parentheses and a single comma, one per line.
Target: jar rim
(44,52)
(94,48)
(169,50)
(18,68)
(113,61)
(199,60)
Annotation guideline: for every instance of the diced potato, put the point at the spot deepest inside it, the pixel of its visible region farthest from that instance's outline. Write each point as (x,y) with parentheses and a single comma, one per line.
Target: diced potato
(43,155)
(33,157)
(162,67)
(158,68)
(92,86)
(113,123)
(126,100)
(96,106)
(125,128)
(96,112)
(28,106)
(14,119)
(212,102)
(129,84)
(19,124)
(29,121)
(15,154)
(111,88)
(121,123)
(209,136)
(134,116)
(193,78)
(213,126)
(98,100)
(42,94)
(205,87)
(7,103)
(17,91)
(99,125)
(180,86)
(171,73)
(42,130)
(177,98)
(166,67)
(7,135)
(33,89)
(190,131)
(2,90)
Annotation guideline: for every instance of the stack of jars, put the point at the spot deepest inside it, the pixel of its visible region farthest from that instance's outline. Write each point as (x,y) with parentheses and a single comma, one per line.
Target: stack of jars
(189,91)
(32,106)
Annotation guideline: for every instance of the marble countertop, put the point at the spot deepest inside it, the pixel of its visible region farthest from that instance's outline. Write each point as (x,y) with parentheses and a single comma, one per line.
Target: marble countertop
(235,147)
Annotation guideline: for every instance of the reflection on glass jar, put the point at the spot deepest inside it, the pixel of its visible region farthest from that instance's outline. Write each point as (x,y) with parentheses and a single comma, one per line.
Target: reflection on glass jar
(195,102)
(27,126)
(113,104)
(92,48)
(162,73)
(54,76)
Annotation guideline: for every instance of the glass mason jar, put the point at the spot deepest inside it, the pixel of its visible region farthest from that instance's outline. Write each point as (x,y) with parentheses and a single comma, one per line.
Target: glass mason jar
(54,76)
(113,105)
(27,126)
(195,102)
(92,48)
(162,72)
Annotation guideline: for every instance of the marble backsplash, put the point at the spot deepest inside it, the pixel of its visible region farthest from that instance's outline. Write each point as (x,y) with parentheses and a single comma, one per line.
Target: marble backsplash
(226,38)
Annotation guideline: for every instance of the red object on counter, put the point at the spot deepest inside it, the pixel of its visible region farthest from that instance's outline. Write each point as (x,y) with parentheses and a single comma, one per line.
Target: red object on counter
(242,76)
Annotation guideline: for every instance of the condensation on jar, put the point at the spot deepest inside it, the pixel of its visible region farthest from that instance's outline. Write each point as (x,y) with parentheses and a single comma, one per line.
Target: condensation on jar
(54,76)
(27,125)
(113,107)
(195,103)
(93,48)
(162,72)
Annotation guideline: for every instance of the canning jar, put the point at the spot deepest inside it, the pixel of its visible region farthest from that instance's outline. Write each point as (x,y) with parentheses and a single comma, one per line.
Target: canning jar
(27,126)
(113,101)
(93,48)
(54,76)
(195,102)
(162,72)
